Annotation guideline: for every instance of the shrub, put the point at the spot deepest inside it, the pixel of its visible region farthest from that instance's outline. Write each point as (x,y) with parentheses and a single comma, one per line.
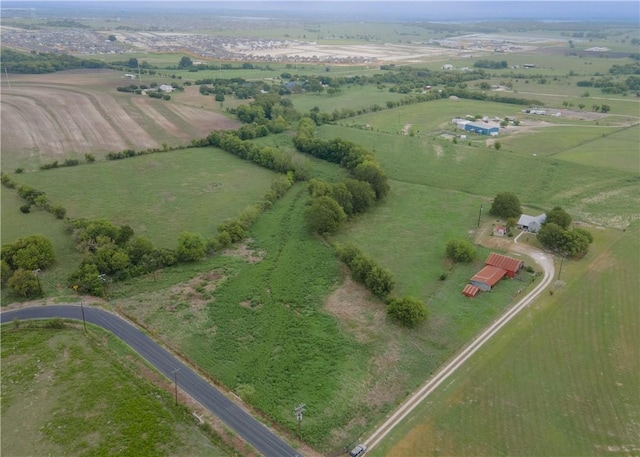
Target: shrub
(407,310)
(461,251)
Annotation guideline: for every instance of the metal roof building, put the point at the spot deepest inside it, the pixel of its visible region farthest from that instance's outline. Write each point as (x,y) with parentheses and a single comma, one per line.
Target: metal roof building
(509,264)
(488,277)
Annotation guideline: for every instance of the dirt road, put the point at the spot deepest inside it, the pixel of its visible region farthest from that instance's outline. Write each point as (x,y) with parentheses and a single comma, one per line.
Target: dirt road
(545,261)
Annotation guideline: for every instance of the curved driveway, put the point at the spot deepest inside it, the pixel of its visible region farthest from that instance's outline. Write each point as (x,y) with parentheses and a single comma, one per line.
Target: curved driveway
(545,261)
(254,432)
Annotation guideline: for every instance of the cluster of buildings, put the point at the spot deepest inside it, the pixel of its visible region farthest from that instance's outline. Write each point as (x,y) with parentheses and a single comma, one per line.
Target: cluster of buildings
(496,267)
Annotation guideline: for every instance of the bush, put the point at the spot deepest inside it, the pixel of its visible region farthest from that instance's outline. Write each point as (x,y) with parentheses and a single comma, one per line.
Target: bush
(87,278)
(191,247)
(407,310)
(461,251)
(26,209)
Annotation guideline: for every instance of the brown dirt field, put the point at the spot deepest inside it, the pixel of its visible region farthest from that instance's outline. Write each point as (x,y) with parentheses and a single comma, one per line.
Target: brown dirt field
(66,114)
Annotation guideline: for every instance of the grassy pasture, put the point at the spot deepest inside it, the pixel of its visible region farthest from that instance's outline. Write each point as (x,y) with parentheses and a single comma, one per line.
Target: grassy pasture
(599,195)
(260,322)
(351,97)
(561,380)
(159,195)
(618,150)
(74,395)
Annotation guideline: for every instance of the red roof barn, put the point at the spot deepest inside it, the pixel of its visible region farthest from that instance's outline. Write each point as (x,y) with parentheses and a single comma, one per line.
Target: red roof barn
(486,278)
(509,264)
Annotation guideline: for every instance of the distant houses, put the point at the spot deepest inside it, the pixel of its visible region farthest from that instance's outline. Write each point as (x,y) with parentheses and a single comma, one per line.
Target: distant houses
(531,223)
(496,267)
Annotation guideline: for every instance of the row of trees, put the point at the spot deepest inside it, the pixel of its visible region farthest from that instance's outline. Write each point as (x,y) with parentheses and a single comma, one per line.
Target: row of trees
(33,197)
(332,204)
(44,62)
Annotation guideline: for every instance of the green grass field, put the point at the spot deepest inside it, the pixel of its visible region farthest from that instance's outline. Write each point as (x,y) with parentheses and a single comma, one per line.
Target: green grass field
(159,195)
(79,396)
(265,329)
(562,380)
(604,196)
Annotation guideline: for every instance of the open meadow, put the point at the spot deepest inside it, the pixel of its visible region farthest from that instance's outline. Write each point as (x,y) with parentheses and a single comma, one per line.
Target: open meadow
(276,318)
(159,195)
(562,380)
(77,395)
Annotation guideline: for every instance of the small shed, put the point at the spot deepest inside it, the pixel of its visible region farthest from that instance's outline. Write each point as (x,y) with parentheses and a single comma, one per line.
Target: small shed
(500,230)
(488,277)
(470,290)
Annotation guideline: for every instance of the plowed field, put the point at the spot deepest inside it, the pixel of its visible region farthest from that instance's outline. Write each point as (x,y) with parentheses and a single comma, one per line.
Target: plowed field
(67,114)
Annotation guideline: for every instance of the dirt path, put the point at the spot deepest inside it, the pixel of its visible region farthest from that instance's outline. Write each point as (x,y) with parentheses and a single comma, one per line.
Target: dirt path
(545,261)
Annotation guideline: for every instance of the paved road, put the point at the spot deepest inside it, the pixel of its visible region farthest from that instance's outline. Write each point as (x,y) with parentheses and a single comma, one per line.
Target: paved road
(254,432)
(545,261)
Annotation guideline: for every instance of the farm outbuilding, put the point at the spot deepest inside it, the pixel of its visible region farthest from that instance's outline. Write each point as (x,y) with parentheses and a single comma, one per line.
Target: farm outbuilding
(531,223)
(510,265)
(488,277)
(496,267)
(481,129)
(470,290)
(468,126)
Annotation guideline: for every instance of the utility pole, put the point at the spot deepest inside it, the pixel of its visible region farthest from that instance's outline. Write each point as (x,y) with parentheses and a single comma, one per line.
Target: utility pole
(299,410)
(36,273)
(560,270)
(103,278)
(479,214)
(84,322)
(175,383)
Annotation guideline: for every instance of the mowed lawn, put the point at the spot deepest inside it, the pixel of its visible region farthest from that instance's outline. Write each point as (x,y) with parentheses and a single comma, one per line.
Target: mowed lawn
(67,394)
(562,379)
(158,195)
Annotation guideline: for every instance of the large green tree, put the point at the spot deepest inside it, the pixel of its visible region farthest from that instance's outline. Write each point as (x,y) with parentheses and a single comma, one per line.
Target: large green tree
(325,215)
(25,283)
(505,205)
(559,216)
(191,247)
(29,253)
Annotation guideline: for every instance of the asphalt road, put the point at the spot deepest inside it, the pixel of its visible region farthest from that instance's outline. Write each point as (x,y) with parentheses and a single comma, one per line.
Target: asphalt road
(545,261)
(236,418)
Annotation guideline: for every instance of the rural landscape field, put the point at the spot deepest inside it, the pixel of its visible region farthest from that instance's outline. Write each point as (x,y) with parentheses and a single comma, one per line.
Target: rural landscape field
(273,196)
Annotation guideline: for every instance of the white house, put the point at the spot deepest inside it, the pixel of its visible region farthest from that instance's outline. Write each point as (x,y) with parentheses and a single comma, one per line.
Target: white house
(166,88)
(447,67)
(531,223)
